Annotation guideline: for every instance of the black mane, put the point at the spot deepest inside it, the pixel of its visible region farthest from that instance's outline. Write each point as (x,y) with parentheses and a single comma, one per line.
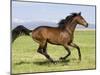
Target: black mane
(67,20)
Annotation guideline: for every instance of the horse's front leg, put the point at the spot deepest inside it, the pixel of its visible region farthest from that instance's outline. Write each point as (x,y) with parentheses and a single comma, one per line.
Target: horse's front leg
(69,52)
(77,47)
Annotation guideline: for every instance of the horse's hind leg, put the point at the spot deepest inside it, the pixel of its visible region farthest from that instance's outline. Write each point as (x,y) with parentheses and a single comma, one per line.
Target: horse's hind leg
(43,51)
(77,47)
(46,54)
(69,52)
(40,50)
(48,57)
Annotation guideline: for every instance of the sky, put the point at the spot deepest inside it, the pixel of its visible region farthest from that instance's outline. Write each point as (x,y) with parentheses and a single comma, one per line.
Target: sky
(32,11)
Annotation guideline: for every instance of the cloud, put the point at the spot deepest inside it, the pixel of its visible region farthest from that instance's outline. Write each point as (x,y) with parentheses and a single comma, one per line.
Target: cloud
(17,20)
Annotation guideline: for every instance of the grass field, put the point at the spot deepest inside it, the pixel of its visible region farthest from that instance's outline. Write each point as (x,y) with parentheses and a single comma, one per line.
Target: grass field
(25,58)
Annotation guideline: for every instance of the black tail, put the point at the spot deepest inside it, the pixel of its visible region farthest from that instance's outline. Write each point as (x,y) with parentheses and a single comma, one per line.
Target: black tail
(20,30)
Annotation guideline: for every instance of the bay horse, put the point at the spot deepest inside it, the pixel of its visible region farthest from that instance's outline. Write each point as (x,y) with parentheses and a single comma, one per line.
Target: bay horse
(62,35)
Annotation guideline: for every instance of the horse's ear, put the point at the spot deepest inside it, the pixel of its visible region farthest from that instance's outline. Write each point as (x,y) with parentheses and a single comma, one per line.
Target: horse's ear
(74,14)
(79,13)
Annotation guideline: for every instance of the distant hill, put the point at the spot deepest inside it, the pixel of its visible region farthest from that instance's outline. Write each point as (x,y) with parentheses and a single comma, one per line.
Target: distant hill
(32,25)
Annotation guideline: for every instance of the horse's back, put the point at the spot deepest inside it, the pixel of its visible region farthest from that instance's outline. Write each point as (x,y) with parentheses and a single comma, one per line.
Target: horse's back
(44,32)
(39,33)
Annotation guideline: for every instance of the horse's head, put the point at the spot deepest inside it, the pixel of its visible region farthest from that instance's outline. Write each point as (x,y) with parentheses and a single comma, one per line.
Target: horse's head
(80,20)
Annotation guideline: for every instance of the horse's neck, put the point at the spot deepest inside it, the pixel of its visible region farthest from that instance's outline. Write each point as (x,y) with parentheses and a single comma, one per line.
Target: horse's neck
(71,27)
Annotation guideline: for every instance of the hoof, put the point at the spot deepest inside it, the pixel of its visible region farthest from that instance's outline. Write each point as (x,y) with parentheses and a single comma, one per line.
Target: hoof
(61,58)
(54,62)
(79,60)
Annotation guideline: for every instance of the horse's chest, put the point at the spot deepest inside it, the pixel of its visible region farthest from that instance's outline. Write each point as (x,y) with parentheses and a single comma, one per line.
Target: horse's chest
(65,38)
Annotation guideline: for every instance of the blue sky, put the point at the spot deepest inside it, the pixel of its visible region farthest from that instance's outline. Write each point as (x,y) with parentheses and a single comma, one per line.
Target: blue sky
(30,11)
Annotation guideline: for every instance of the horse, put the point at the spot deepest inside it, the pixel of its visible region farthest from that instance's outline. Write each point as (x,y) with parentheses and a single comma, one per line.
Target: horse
(62,35)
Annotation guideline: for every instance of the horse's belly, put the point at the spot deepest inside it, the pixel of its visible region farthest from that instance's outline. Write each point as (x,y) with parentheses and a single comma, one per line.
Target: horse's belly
(54,42)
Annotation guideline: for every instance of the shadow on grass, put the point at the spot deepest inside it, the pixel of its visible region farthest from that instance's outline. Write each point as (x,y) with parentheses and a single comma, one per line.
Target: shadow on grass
(22,62)
(46,62)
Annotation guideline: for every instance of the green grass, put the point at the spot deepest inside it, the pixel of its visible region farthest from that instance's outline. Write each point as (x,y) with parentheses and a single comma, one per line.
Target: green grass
(25,58)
